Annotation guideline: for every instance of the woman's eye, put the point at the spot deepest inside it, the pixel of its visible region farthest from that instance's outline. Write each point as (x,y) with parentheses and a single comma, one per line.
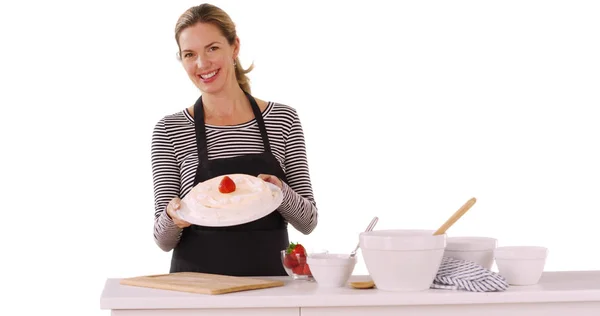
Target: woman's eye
(187,55)
(213,48)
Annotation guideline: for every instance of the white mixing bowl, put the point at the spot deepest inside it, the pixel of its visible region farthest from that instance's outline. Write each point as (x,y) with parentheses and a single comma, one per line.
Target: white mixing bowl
(474,249)
(402,259)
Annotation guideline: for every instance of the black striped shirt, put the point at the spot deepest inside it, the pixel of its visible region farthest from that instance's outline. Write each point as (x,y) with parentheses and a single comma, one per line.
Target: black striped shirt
(175,160)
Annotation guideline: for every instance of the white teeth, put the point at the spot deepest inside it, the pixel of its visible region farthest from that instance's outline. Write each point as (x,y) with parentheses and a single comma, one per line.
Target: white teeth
(208,75)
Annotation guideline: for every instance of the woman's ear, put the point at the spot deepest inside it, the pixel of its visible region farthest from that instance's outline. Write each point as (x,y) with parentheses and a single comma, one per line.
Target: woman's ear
(236,47)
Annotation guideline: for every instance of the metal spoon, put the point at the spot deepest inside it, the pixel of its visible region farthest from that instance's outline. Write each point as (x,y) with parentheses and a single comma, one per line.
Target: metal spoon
(369,228)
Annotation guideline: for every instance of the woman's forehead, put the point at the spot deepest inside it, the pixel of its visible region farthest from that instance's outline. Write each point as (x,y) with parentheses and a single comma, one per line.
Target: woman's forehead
(200,35)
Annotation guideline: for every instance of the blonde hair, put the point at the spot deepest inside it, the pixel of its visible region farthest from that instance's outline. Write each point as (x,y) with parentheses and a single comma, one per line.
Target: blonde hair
(208,13)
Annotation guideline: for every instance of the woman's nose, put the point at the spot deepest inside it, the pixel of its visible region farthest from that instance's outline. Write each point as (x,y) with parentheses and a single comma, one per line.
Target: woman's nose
(201,62)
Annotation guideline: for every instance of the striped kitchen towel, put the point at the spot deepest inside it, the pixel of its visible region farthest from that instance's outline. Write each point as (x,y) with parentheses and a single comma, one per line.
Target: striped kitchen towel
(455,274)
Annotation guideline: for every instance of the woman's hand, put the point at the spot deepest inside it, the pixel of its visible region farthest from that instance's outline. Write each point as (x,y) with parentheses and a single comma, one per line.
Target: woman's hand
(271,179)
(171,208)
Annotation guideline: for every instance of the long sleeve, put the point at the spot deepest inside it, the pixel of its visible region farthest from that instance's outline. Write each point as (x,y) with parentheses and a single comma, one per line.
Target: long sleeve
(167,182)
(298,207)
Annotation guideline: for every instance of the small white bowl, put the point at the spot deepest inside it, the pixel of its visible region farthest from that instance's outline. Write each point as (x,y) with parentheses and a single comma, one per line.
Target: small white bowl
(331,270)
(521,265)
(402,260)
(479,250)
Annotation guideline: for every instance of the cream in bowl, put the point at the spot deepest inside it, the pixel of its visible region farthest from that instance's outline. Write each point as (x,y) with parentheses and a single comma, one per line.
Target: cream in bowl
(402,259)
(521,265)
(479,250)
(331,270)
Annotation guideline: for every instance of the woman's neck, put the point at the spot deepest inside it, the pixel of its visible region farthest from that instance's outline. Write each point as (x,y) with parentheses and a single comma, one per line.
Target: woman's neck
(224,105)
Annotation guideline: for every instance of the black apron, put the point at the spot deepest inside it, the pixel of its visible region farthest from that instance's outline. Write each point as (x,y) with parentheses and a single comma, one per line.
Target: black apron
(251,249)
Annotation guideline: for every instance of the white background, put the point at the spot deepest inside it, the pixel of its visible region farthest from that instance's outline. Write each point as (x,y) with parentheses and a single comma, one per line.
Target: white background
(409,110)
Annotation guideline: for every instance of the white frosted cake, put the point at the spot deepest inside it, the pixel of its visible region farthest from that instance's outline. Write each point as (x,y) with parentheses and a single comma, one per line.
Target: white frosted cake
(249,191)
(229,200)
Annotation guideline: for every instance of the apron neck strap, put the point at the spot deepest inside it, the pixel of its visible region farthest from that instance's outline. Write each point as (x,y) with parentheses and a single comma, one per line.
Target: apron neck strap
(261,123)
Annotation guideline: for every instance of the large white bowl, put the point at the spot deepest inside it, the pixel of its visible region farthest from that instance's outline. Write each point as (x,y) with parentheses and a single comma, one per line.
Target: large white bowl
(521,265)
(479,250)
(331,270)
(402,259)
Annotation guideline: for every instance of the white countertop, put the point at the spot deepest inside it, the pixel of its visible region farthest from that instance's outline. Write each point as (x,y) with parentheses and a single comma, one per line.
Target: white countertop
(567,286)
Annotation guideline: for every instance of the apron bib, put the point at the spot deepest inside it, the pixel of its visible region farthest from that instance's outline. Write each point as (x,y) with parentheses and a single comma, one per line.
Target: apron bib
(251,249)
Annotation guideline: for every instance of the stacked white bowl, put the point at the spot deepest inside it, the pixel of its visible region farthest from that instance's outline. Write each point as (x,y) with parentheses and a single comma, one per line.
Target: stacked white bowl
(402,259)
(521,265)
(479,250)
(331,270)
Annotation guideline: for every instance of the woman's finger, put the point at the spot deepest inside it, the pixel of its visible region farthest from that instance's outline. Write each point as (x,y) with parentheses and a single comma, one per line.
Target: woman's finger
(175,203)
(271,179)
(181,223)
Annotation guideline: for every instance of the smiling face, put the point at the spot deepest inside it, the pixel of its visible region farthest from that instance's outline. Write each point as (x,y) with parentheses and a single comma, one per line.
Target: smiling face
(208,58)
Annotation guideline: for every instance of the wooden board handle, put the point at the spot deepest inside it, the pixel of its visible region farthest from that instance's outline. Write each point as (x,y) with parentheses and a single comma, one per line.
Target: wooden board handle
(458,214)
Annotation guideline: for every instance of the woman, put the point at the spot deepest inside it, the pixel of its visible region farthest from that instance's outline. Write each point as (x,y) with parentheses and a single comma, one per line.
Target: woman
(227,131)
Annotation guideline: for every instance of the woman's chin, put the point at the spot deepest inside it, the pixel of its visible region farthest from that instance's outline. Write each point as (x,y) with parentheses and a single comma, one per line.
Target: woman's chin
(211,88)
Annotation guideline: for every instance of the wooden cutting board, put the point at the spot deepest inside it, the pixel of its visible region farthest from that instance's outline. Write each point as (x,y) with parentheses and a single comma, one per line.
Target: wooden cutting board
(202,283)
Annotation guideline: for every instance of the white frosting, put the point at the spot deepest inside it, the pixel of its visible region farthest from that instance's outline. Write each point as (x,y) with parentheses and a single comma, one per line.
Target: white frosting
(250,192)
(252,199)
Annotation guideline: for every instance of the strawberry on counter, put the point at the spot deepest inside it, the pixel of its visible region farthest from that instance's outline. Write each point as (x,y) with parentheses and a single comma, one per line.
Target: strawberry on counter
(295,259)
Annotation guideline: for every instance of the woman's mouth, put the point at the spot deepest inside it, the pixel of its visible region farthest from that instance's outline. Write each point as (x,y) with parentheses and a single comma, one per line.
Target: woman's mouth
(208,76)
